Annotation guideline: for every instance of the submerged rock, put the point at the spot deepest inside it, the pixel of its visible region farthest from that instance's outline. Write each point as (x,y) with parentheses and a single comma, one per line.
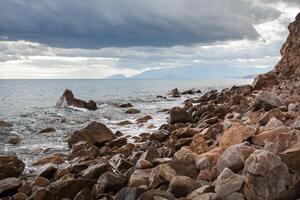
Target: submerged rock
(95,134)
(4,124)
(47,130)
(68,99)
(10,166)
(132,111)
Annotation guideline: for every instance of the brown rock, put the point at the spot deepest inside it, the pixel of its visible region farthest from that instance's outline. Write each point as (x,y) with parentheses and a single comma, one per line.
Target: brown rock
(198,144)
(4,124)
(95,134)
(178,115)
(14,140)
(47,130)
(20,196)
(264,81)
(267,100)
(270,136)
(124,123)
(208,174)
(9,186)
(126,105)
(156,195)
(175,93)
(10,166)
(129,193)
(236,134)
(185,168)
(139,177)
(84,194)
(185,153)
(132,111)
(54,159)
(161,174)
(48,172)
(95,171)
(112,182)
(291,157)
(181,186)
(42,194)
(144,119)
(40,182)
(68,99)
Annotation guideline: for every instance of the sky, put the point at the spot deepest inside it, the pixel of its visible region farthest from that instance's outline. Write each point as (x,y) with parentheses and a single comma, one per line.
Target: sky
(99,38)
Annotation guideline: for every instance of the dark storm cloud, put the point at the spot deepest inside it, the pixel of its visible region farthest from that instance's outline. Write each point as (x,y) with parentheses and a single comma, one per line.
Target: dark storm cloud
(102,23)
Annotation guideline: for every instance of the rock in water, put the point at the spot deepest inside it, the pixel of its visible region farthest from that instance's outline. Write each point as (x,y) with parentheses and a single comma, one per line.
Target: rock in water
(9,186)
(95,134)
(10,166)
(266,177)
(68,99)
(179,115)
(4,124)
(289,65)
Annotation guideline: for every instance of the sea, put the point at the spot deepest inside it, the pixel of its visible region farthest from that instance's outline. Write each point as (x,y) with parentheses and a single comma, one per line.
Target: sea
(30,106)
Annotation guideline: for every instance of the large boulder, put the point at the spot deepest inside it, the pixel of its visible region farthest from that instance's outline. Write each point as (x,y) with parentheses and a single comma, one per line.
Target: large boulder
(291,157)
(181,186)
(179,115)
(234,157)
(156,194)
(112,182)
(129,193)
(228,183)
(161,174)
(270,136)
(68,99)
(10,166)
(198,144)
(264,81)
(236,134)
(266,177)
(95,134)
(267,100)
(9,186)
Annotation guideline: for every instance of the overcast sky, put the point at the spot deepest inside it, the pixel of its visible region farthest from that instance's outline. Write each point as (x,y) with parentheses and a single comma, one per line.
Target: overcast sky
(99,38)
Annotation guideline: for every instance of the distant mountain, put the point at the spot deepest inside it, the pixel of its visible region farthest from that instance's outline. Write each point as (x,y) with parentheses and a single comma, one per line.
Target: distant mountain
(201,72)
(117,76)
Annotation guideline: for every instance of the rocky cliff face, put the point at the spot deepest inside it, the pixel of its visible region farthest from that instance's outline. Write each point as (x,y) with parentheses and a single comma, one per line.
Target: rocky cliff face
(290,52)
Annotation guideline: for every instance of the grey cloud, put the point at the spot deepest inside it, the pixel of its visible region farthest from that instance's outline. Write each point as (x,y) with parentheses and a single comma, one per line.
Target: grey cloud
(123,23)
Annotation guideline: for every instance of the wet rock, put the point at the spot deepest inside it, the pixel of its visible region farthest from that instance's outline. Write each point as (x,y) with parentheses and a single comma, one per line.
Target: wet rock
(47,130)
(160,135)
(124,123)
(267,101)
(175,93)
(119,163)
(129,193)
(54,159)
(69,189)
(139,177)
(143,164)
(228,183)
(118,142)
(9,186)
(95,171)
(160,175)
(14,140)
(4,124)
(184,133)
(48,172)
(198,144)
(266,177)
(291,157)
(126,105)
(10,166)
(178,115)
(40,182)
(234,157)
(236,134)
(144,119)
(149,155)
(156,195)
(190,91)
(20,196)
(42,194)
(84,194)
(26,189)
(126,149)
(132,111)
(112,182)
(95,134)
(83,149)
(181,186)
(185,168)
(68,99)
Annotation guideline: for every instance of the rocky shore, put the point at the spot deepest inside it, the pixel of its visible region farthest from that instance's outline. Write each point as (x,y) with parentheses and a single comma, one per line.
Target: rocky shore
(234,144)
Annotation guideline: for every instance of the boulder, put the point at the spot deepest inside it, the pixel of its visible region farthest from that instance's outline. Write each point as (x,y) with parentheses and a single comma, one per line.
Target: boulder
(4,124)
(160,175)
(14,140)
(266,177)
(198,192)
(179,115)
(112,182)
(48,171)
(144,119)
(291,157)
(228,183)
(10,166)
(156,195)
(124,123)
(270,136)
(181,186)
(129,193)
(185,153)
(190,91)
(198,144)
(132,111)
(9,186)
(125,105)
(267,101)
(40,182)
(84,194)
(139,177)
(95,171)
(20,196)
(185,168)
(94,134)
(54,159)
(296,124)
(236,134)
(70,188)
(175,93)
(204,196)
(234,157)
(272,124)
(42,194)
(68,99)
(149,155)
(264,81)
(208,174)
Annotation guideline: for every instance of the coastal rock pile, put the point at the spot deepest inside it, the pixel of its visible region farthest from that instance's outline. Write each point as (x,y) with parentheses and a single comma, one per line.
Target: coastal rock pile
(238,143)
